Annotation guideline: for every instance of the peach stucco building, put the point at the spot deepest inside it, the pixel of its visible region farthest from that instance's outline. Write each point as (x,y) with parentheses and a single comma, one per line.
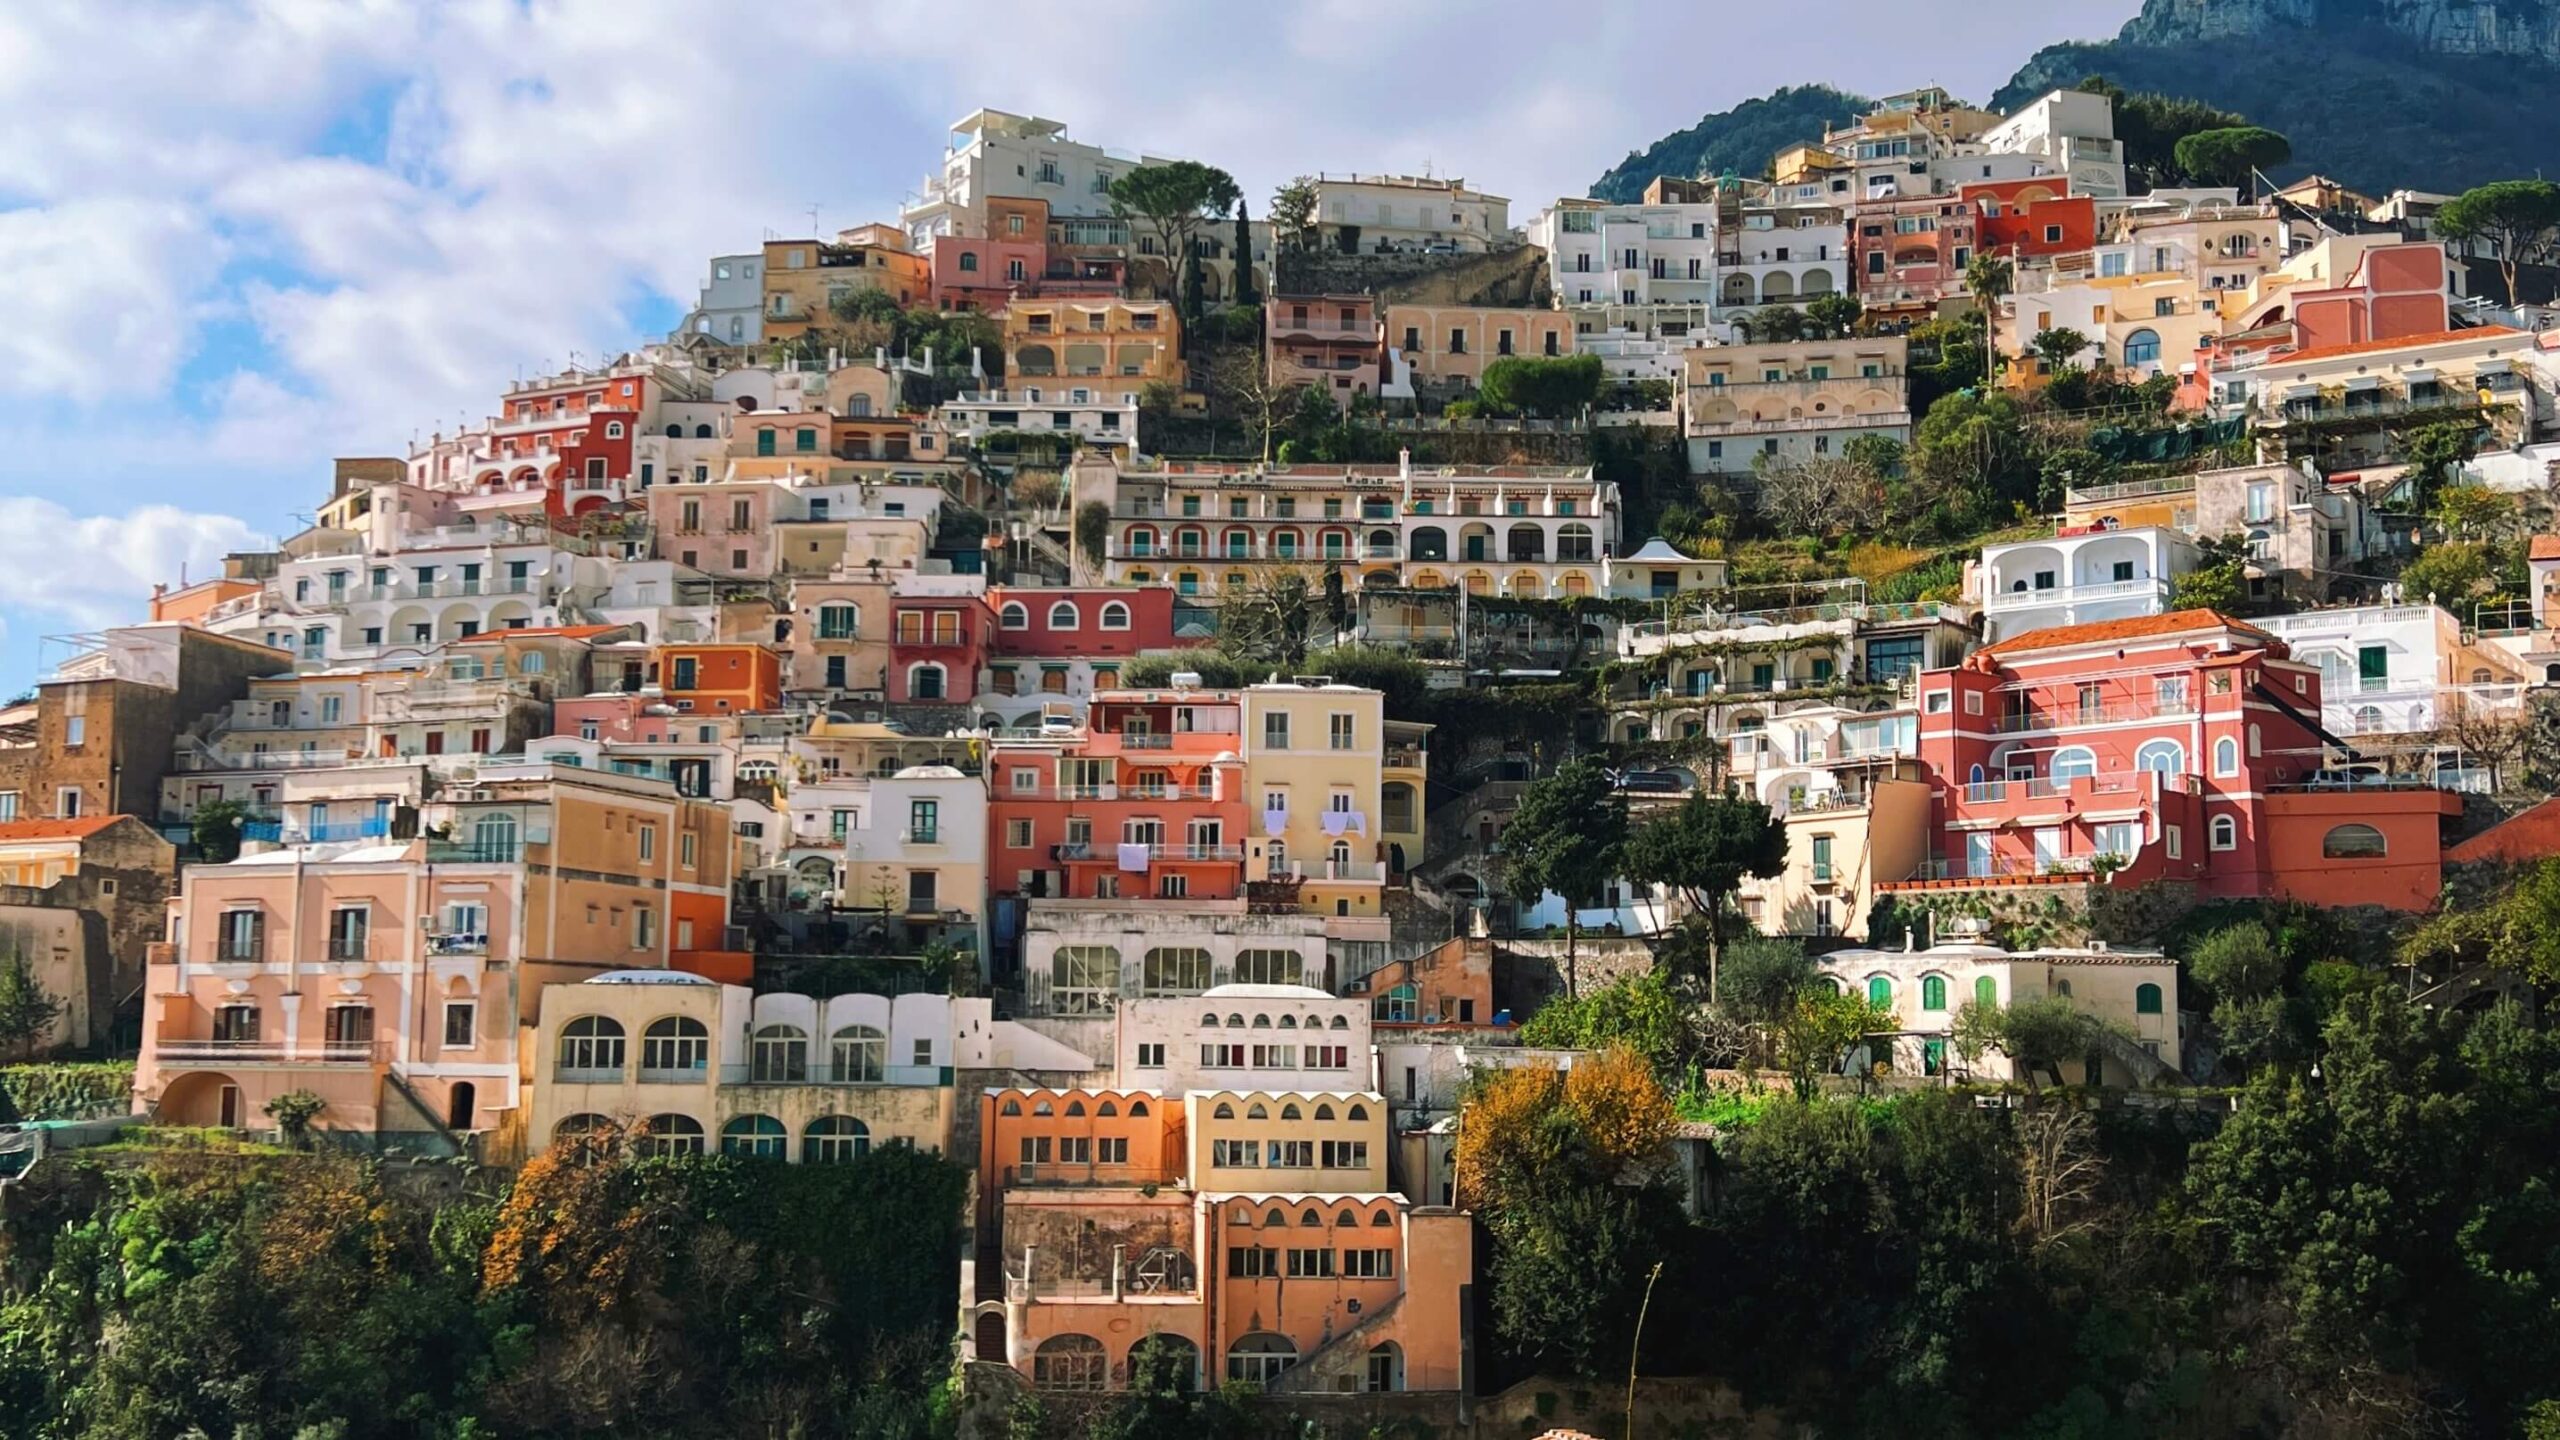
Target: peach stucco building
(391,978)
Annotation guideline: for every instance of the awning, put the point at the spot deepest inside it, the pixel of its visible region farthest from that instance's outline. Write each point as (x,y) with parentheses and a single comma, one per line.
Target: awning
(2418,375)
(2364,382)
(2301,392)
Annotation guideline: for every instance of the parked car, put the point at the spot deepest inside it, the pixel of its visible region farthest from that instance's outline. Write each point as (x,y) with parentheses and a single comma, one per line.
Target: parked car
(1650,782)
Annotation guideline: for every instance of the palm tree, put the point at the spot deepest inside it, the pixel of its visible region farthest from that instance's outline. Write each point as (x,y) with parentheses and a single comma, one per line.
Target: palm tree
(1988,277)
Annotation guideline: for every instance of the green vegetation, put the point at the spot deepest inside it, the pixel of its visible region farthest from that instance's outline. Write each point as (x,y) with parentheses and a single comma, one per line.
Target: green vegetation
(27,1010)
(1565,838)
(169,1291)
(1738,141)
(2232,156)
(82,1090)
(1702,852)
(2519,218)
(1542,387)
(1177,199)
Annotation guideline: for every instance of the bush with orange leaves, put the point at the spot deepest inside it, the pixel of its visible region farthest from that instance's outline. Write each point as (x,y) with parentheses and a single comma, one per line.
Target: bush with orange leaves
(1608,1113)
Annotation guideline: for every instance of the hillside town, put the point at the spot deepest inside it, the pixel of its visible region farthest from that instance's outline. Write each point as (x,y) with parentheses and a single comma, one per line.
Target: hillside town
(1855,630)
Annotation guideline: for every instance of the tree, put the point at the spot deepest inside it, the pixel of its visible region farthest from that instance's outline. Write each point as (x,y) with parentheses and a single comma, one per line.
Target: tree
(1293,215)
(1833,317)
(1819,495)
(1245,292)
(1637,1013)
(1988,278)
(1240,381)
(2036,1033)
(2435,455)
(2452,574)
(1557,387)
(2220,579)
(1093,532)
(1565,838)
(1704,850)
(215,827)
(1818,1029)
(2473,512)
(2240,967)
(1762,977)
(293,1111)
(2151,127)
(2056,345)
(27,1011)
(2518,219)
(1271,622)
(1776,325)
(2232,156)
(1176,198)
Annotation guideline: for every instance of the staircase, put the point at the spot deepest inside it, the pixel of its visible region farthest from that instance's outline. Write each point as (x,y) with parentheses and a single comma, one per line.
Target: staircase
(2147,1068)
(1328,1361)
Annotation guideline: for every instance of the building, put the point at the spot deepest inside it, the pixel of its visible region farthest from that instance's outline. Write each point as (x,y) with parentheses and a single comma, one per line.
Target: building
(1383,214)
(1083,960)
(81,901)
(730,309)
(2182,748)
(2325,404)
(1731,672)
(1657,570)
(1059,647)
(735,679)
(2073,132)
(436,952)
(104,730)
(2083,574)
(995,156)
(1846,780)
(1791,401)
(2405,675)
(1148,798)
(1446,347)
(1092,417)
(806,280)
(1661,252)
(1314,775)
(1331,342)
(939,639)
(703,1067)
(2134,991)
(1912,254)
(918,851)
(1101,346)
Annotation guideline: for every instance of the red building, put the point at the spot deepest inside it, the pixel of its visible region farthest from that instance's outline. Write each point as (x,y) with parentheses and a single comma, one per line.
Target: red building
(2183,747)
(937,648)
(2031,219)
(1149,800)
(729,678)
(586,421)
(1910,254)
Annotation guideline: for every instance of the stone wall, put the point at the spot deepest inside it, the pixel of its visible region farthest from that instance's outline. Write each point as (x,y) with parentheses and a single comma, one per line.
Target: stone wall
(1077,1231)
(1514,276)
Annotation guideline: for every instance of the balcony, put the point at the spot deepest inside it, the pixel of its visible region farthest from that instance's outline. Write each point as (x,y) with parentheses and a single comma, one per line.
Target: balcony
(2079,594)
(456,942)
(270,1052)
(822,1071)
(923,835)
(2067,717)
(1081,1172)
(474,852)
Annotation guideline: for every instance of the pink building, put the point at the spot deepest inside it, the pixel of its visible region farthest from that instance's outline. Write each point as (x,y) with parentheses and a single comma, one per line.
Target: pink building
(2184,747)
(937,649)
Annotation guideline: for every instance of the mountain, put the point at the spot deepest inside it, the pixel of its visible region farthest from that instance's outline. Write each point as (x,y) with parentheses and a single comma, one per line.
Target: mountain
(1740,140)
(2378,94)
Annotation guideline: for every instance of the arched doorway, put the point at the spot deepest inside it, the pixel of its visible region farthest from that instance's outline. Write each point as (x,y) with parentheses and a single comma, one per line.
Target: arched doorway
(990,1336)
(462,1105)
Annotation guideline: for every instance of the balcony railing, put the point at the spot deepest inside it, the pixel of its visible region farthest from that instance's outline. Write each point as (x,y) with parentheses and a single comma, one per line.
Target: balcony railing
(823,1071)
(924,835)
(269,1052)
(2064,717)
(1077,1172)
(2078,594)
(474,852)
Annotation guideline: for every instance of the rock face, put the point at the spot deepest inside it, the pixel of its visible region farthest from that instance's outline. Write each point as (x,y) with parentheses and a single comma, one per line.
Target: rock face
(2522,29)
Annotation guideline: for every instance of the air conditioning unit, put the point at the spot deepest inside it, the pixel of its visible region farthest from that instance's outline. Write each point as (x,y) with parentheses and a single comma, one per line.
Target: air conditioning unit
(466,793)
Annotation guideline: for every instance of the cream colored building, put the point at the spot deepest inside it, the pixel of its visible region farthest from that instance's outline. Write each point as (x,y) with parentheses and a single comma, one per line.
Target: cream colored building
(1314,773)
(1088,349)
(1792,401)
(777,1076)
(1453,343)
(1322,1142)
(2135,992)
(1368,214)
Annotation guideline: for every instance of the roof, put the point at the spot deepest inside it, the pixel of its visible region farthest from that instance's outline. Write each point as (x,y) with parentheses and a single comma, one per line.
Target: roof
(80,829)
(2100,632)
(2403,342)
(1658,548)
(1266,992)
(2544,547)
(565,632)
(2526,835)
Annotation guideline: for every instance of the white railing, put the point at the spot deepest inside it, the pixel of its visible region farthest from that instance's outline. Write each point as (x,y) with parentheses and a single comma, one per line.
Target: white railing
(2077,594)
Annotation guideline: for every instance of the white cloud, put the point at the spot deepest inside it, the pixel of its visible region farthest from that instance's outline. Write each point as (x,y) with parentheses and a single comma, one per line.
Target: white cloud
(100,305)
(88,571)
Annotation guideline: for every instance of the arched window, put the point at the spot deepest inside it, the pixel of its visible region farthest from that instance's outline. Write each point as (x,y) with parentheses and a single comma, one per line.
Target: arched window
(1064,616)
(2142,347)
(1337,1023)
(1137,1109)
(671,1135)
(1075,1106)
(675,1048)
(1224,1111)
(1986,992)
(1261,1022)
(675,432)
(1043,1107)
(2224,833)
(1879,990)
(591,1047)
(2254,751)
(1107,1109)
(579,1132)
(1270,967)
(1288,1022)
(1357,1112)
(2167,757)
(702,432)
(2226,757)
(858,408)
(1310,1217)
(2146,999)
(1291,1112)
(834,1139)
(1070,1362)
(2074,762)
(924,681)
(493,838)
(2353,842)
(780,1055)
(1933,992)
(1172,1357)
(1174,970)
(969,260)
(1209,1021)
(1257,1111)
(613,429)
(1234,1021)
(1258,1358)
(1012,1106)
(859,1055)
(1323,1111)
(1275,1217)
(755,1137)
(1115,616)
(1385,1369)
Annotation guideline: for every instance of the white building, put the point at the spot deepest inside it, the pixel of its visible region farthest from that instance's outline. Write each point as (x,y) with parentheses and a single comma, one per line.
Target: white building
(1090,416)
(2073,132)
(920,844)
(730,309)
(995,154)
(1599,254)
(2074,579)
(1371,214)
(2135,990)
(1244,1037)
(2399,670)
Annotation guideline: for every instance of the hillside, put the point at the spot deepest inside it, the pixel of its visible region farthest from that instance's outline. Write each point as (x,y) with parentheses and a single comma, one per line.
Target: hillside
(1740,140)
(2361,103)
(2380,94)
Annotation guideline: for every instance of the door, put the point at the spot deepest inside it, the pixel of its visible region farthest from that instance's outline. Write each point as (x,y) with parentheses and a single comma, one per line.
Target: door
(229,1112)
(1977,854)
(462,1105)
(2048,849)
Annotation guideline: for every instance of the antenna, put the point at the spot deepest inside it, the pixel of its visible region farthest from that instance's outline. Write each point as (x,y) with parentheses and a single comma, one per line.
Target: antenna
(813,219)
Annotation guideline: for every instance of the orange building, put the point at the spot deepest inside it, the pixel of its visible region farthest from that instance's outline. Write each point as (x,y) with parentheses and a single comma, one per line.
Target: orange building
(723,679)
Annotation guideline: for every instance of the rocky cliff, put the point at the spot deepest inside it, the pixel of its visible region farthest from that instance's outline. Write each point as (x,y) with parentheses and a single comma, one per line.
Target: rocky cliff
(2520,29)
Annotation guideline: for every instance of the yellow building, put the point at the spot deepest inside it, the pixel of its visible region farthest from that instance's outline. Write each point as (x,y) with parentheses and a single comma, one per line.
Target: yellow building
(803,279)
(1400,798)
(1098,346)
(1840,844)
(1288,1141)
(1314,776)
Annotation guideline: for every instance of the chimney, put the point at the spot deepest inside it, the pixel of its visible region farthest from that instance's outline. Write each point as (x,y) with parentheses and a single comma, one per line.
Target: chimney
(1907,942)
(1119,1259)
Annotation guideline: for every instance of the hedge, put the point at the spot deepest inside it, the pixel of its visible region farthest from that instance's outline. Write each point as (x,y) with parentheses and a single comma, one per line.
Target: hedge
(83,1091)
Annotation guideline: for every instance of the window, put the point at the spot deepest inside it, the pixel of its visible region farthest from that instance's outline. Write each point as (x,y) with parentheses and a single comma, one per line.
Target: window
(1986,992)
(840,621)
(755,1137)
(1235,1154)
(1310,1264)
(648,842)
(590,1046)
(348,1027)
(1248,1263)
(461,1023)
(1933,992)
(1174,971)
(1879,990)
(779,1055)
(2167,757)
(2074,762)
(1339,732)
(347,926)
(2142,347)
(1270,967)
(1369,1264)
(2353,842)
(674,1048)
(1345,1155)
(834,1140)
(1275,731)
(1399,1005)
(1063,616)
(1151,1056)
(2226,757)
(858,1055)
(2224,833)
(242,936)
(2146,999)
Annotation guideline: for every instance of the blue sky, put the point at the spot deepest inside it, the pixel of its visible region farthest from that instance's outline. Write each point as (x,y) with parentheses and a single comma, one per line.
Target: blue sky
(286,231)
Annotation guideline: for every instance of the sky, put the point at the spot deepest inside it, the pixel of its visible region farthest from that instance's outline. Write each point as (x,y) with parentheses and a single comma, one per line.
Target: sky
(247,237)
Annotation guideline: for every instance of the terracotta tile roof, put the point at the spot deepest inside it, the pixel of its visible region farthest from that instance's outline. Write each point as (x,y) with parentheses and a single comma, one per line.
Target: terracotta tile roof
(2544,547)
(80,829)
(2404,342)
(566,632)
(2099,632)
